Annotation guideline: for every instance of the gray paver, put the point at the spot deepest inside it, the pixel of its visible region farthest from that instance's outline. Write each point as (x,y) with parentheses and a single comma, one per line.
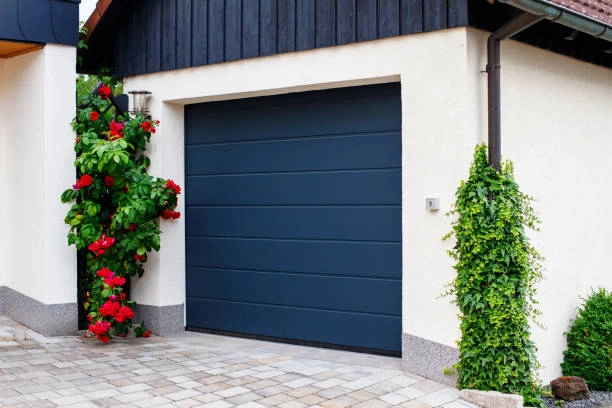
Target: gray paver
(203,370)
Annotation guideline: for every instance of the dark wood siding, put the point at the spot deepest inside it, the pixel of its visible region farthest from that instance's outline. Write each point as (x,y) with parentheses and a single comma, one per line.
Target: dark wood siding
(40,21)
(184,33)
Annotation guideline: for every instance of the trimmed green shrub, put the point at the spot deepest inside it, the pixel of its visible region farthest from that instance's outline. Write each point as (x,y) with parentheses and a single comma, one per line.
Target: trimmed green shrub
(497,269)
(589,342)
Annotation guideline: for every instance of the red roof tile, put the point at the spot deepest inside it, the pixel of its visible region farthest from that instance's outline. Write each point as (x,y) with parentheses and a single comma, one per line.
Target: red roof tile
(600,10)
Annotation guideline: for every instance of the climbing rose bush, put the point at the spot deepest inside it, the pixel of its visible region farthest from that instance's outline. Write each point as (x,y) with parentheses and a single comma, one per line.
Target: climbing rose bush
(116,208)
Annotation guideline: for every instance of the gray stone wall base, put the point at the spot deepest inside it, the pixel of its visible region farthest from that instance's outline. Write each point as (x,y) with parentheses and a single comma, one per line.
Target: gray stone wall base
(161,320)
(428,358)
(59,319)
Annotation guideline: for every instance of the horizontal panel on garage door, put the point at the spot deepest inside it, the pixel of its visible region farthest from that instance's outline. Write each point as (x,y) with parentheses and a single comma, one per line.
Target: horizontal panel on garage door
(344,152)
(372,186)
(293,216)
(295,115)
(375,259)
(375,296)
(352,223)
(323,326)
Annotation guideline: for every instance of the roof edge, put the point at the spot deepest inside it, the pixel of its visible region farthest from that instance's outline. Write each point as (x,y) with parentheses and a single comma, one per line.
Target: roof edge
(565,16)
(96,16)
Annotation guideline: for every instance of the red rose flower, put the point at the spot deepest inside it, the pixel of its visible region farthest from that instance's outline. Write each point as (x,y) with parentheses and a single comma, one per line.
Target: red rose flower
(109,181)
(100,246)
(104,91)
(107,242)
(123,296)
(173,186)
(147,333)
(103,338)
(94,116)
(105,273)
(116,130)
(84,181)
(140,258)
(96,248)
(113,281)
(110,309)
(125,313)
(100,327)
(170,215)
(146,126)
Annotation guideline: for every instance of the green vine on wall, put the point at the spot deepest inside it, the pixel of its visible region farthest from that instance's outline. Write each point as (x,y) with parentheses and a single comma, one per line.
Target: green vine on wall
(497,269)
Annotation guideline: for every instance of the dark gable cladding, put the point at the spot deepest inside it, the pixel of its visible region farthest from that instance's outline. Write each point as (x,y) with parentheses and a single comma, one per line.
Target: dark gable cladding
(146,36)
(162,35)
(40,21)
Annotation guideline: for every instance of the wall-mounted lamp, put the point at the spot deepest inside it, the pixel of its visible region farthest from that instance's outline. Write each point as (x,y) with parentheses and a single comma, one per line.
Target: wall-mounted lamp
(140,102)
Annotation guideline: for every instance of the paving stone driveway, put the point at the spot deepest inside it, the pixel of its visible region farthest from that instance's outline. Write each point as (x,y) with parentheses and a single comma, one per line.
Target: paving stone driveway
(201,370)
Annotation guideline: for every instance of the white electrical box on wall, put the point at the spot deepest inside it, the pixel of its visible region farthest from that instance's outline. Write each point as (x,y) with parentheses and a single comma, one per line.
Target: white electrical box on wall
(432,204)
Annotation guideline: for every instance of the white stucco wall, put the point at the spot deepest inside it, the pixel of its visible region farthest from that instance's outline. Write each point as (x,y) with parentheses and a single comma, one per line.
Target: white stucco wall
(37,100)
(555,114)
(4,236)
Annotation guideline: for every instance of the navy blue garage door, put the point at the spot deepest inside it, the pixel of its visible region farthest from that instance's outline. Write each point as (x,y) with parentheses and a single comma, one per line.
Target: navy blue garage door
(294,216)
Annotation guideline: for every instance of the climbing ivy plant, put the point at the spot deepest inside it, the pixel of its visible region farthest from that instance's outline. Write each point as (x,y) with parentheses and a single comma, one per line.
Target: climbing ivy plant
(497,269)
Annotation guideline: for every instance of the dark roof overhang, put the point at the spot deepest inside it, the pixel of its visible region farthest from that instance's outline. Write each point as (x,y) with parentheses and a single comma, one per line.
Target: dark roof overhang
(40,21)
(102,25)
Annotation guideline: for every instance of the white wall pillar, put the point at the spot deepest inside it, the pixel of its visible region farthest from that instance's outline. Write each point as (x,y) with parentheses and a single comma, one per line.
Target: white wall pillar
(4,216)
(40,269)
(160,293)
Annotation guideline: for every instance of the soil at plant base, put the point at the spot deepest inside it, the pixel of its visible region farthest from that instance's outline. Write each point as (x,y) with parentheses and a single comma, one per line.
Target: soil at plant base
(599,399)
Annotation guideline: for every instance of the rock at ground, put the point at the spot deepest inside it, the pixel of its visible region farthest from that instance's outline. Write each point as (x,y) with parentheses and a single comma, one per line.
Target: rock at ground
(570,388)
(492,399)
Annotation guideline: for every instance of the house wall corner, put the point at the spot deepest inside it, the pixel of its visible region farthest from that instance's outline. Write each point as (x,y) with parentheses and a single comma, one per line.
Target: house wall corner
(39,269)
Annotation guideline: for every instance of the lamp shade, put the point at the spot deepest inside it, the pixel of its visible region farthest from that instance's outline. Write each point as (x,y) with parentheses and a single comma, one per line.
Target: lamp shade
(140,102)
